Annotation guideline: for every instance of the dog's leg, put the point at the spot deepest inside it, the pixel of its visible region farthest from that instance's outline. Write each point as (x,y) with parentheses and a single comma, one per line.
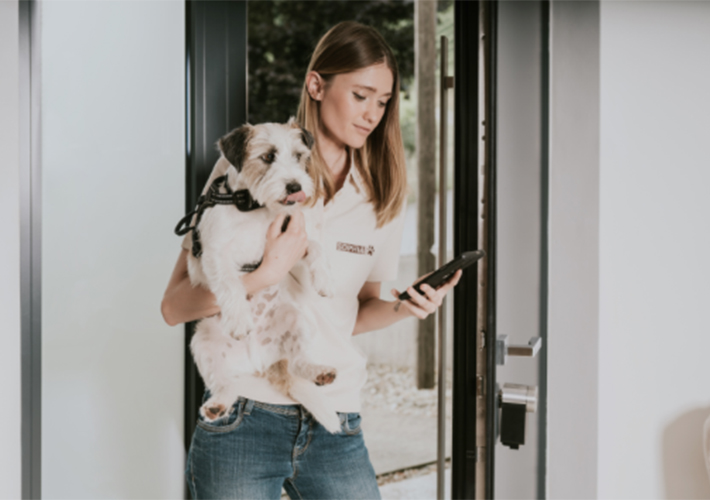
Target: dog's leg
(295,341)
(219,360)
(224,281)
(319,270)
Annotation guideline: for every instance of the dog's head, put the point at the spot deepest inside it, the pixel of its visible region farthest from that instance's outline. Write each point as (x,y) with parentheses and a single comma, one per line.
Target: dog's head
(272,161)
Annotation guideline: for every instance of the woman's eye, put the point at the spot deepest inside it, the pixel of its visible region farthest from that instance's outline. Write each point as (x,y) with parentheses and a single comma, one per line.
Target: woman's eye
(382,104)
(358,96)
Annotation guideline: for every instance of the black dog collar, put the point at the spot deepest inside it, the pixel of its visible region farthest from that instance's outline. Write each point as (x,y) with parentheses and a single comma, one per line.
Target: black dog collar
(241,199)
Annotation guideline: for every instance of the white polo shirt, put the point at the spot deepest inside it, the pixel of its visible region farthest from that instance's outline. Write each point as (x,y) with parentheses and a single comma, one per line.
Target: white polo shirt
(357,252)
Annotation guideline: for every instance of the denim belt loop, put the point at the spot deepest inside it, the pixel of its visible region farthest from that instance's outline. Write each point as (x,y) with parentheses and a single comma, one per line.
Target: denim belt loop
(248,405)
(304,412)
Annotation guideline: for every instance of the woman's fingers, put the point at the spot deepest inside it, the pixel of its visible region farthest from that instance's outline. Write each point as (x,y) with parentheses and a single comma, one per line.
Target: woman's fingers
(275,228)
(297,222)
(415,310)
(422,305)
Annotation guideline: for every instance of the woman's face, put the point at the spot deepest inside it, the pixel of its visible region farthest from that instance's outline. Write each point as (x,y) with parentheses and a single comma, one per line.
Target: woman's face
(352,104)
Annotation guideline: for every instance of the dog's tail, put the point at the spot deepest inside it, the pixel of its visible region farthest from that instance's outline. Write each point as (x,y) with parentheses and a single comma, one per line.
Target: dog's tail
(306,393)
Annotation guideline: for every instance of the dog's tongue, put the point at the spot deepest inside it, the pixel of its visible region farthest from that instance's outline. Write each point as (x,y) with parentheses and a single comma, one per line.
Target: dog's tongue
(296,197)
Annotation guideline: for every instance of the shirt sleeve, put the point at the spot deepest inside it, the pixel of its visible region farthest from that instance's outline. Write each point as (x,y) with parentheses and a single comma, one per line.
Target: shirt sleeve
(387,263)
(219,169)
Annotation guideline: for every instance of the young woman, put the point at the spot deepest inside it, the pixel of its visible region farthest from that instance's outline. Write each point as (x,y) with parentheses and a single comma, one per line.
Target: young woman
(350,102)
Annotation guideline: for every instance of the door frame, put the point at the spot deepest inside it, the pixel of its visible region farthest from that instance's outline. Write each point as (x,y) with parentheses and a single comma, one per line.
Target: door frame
(30,155)
(474,372)
(469,388)
(216,99)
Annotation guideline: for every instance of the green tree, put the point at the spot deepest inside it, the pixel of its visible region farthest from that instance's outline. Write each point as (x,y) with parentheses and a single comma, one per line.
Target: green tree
(283,34)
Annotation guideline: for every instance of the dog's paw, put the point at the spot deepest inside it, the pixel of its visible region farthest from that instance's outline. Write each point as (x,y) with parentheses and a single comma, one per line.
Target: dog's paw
(240,332)
(212,410)
(238,326)
(325,377)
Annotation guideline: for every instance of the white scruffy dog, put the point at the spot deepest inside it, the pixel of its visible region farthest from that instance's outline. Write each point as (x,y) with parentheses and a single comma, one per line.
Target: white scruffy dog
(269,333)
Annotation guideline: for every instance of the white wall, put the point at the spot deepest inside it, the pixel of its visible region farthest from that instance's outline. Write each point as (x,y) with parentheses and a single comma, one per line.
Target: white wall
(113,148)
(654,376)
(10,448)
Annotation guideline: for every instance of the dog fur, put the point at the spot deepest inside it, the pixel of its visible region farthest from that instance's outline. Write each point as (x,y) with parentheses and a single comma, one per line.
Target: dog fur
(269,334)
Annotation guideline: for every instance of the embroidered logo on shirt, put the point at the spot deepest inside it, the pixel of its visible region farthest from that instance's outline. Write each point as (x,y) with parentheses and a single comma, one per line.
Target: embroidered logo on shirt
(352,248)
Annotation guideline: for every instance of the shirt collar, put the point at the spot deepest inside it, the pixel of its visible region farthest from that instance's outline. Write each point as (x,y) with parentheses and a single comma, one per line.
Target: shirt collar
(354,176)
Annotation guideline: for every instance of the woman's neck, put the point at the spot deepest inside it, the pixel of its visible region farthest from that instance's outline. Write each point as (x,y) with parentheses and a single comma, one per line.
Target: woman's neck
(337,159)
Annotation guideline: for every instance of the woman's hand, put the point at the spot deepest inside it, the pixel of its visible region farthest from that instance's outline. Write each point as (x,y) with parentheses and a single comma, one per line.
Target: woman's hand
(422,306)
(283,250)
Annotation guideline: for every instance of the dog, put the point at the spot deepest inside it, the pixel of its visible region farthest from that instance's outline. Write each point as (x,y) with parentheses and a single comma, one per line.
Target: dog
(270,333)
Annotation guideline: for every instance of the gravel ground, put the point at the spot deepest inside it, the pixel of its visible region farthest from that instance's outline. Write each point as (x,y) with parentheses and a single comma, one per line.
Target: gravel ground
(394,388)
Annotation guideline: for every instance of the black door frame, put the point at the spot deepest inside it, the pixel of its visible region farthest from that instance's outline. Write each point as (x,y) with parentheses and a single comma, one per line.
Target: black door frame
(216,102)
(466,452)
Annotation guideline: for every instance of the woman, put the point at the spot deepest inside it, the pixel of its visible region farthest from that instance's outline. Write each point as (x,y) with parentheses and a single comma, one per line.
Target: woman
(350,102)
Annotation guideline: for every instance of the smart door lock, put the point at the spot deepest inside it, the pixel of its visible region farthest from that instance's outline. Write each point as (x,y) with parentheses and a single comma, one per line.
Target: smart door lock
(515,400)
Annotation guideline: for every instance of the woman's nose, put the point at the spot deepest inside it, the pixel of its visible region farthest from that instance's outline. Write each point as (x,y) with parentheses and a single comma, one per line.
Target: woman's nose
(371,113)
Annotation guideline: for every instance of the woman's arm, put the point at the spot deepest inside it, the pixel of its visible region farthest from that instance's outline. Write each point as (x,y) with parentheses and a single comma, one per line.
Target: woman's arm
(182,302)
(375,313)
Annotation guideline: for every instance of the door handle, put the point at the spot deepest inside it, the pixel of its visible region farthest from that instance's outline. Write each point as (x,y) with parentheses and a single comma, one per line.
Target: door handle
(503,350)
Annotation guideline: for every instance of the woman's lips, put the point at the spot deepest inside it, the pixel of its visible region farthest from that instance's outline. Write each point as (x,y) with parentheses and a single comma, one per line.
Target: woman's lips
(362,130)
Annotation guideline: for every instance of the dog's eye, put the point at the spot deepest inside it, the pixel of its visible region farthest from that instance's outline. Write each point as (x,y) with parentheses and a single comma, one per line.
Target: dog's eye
(298,156)
(269,157)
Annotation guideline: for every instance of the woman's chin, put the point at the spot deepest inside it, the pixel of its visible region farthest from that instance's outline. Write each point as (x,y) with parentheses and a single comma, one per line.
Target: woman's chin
(356,142)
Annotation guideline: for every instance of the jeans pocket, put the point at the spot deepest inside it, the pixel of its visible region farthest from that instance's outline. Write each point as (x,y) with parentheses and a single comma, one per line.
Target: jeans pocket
(226,423)
(350,423)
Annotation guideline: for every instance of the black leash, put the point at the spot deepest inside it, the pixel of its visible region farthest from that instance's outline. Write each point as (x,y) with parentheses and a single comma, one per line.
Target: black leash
(241,199)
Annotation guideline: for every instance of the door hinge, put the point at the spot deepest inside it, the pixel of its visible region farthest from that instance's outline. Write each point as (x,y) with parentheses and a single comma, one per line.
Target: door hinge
(480,386)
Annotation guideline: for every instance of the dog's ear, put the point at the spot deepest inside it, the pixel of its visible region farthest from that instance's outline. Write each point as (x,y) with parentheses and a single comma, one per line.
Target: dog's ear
(234,145)
(307,138)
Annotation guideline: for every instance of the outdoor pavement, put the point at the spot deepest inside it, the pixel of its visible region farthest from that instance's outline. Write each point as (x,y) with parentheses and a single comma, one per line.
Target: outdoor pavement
(416,488)
(397,442)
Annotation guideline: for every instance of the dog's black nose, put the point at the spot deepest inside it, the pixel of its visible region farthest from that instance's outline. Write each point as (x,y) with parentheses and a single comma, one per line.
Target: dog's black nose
(293,187)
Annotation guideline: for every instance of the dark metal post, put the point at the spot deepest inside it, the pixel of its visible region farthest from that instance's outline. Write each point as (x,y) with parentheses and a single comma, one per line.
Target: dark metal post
(466,20)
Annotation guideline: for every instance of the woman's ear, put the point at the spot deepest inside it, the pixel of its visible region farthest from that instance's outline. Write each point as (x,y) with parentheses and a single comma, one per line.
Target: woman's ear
(315,85)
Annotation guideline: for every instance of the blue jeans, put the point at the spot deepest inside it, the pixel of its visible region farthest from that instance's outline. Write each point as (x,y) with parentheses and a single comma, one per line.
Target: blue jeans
(261,447)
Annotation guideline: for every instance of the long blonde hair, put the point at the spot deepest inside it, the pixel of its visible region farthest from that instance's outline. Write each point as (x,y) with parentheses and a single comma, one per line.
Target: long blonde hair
(350,46)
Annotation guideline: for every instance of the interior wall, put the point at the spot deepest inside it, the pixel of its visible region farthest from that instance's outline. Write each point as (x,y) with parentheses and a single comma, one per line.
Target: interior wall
(113,188)
(654,247)
(10,382)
